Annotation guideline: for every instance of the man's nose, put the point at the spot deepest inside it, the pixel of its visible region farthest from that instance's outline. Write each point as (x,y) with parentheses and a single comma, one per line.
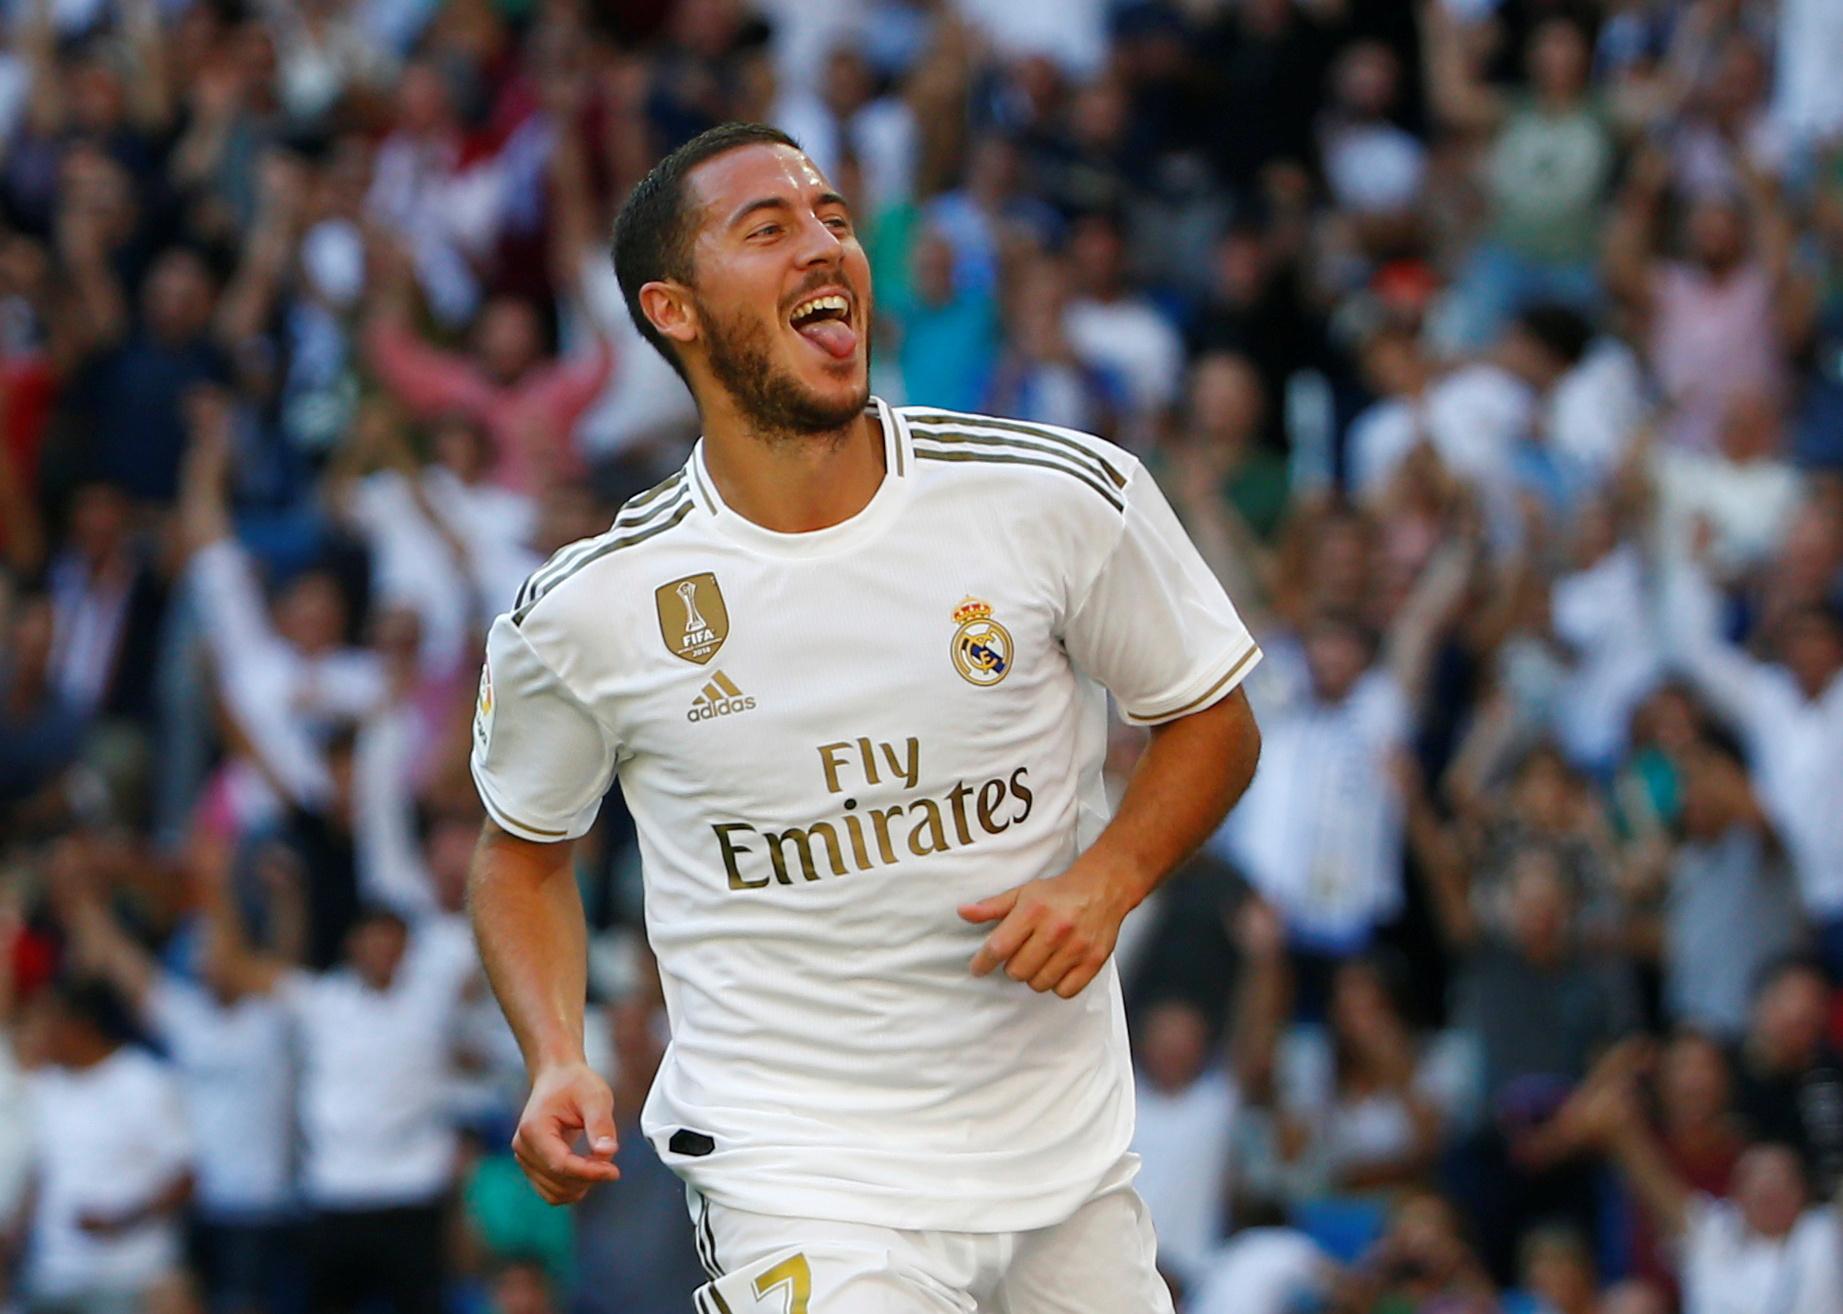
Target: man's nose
(818,243)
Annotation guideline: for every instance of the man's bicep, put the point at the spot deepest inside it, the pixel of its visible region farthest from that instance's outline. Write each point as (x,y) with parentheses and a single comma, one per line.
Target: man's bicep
(1155,626)
(541,760)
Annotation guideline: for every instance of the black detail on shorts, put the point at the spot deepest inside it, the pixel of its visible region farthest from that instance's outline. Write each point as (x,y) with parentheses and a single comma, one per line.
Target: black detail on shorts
(707,1240)
(694,1144)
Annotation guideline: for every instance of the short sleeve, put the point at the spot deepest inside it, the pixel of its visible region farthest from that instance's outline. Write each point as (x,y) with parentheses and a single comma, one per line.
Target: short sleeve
(1155,627)
(541,760)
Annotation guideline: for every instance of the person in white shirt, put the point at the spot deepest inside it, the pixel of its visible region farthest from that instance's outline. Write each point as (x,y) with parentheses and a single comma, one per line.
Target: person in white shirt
(1766,1249)
(1118,331)
(113,1164)
(1789,712)
(375,1041)
(285,676)
(446,541)
(1745,493)
(1185,1115)
(232,1056)
(1600,617)
(850,666)
(1482,419)
(1321,835)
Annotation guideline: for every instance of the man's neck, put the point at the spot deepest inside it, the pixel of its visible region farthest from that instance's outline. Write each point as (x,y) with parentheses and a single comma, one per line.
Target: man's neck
(795,484)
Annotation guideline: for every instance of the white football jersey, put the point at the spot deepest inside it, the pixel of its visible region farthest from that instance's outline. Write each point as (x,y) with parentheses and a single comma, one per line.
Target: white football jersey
(829,742)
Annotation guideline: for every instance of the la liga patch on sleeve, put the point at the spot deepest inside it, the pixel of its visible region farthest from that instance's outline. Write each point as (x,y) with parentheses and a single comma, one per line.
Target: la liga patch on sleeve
(483,709)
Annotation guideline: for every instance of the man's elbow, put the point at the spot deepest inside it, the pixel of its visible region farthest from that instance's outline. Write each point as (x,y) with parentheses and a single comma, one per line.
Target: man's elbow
(1245,753)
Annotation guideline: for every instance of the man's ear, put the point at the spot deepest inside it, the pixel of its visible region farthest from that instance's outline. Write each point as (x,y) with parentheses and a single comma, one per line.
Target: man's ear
(668,307)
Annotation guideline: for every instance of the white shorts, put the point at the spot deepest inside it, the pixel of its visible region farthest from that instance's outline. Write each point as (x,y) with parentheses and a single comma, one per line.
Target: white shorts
(1100,1260)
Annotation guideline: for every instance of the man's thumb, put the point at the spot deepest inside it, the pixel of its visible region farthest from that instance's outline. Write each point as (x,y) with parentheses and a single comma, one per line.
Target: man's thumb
(598,1122)
(989,910)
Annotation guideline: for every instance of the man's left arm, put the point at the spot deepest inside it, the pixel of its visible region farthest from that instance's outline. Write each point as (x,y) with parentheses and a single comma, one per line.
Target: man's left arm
(1151,623)
(1057,933)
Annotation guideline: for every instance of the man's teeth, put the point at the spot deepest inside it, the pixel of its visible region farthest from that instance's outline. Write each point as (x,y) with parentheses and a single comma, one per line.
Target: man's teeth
(817,304)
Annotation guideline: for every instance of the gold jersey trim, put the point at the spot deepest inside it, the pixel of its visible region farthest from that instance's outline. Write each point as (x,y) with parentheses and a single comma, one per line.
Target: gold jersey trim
(1209,693)
(562,562)
(1010,458)
(535,830)
(1092,464)
(962,420)
(679,510)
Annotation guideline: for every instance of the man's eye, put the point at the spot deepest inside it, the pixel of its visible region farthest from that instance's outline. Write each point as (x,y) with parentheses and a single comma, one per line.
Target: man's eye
(839,224)
(766,230)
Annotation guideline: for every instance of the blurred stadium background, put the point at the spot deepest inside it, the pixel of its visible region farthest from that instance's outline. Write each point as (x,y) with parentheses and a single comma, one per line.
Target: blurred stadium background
(1492,351)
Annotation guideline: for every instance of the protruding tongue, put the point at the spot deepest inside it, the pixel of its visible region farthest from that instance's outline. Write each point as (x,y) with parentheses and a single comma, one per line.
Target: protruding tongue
(831,335)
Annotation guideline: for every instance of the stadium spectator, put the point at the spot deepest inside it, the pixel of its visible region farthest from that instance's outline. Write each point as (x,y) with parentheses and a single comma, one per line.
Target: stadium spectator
(1321,834)
(1185,1101)
(1771,1242)
(113,1168)
(1788,1078)
(377,1044)
(1728,904)
(525,401)
(1550,159)
(1787,710)
(1714,320)
(231,1055)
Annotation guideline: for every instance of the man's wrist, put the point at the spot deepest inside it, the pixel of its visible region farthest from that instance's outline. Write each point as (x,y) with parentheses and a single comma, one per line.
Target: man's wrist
(1117,878)
(559,1059)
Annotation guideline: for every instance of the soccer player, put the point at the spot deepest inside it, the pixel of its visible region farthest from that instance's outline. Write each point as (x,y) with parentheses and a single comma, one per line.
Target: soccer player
(850,666)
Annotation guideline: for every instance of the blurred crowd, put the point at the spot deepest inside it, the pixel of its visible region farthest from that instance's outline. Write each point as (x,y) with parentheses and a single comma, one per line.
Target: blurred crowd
(1490,350)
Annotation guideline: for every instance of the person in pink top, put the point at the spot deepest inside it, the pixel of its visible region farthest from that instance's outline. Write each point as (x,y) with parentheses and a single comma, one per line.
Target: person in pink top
(529,403)
(1715,322)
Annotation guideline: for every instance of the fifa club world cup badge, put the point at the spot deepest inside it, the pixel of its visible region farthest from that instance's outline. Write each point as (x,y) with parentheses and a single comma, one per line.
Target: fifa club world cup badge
(693,619)
(981,647)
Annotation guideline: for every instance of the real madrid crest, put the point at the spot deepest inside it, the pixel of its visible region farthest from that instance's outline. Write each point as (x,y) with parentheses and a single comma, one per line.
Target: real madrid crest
(693,619)
(981,647)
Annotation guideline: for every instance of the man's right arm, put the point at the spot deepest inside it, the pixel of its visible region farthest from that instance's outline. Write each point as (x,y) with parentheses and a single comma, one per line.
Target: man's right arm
(527,917)
(1724,673)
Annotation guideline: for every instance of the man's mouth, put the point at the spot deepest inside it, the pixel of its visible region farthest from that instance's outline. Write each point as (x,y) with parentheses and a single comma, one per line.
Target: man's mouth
(825,321)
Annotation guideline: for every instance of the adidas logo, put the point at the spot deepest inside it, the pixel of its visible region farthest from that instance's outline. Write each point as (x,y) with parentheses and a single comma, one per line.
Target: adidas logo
(720,697)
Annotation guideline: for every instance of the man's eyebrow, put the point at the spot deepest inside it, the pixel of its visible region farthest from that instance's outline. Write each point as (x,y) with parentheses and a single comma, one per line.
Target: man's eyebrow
(781,203)
(753,207)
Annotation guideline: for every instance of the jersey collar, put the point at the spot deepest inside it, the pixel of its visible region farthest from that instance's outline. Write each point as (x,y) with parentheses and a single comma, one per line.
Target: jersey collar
(898,479)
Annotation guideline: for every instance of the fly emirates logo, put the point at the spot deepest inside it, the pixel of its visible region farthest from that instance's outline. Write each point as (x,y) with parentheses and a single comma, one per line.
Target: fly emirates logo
(859,838)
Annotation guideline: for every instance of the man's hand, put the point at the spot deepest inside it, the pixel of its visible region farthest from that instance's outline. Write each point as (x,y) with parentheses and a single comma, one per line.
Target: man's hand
(1053,934)
(566,1101)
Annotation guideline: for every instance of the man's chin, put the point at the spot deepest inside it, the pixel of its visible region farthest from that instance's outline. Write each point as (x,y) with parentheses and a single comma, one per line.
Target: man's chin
(830,404)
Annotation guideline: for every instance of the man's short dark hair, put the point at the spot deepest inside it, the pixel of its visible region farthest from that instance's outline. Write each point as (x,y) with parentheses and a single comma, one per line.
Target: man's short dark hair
(93,1003)
(1560,330)
(654,230)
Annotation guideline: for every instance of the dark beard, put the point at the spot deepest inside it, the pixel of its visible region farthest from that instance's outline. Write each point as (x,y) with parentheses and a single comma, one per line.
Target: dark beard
(778,408)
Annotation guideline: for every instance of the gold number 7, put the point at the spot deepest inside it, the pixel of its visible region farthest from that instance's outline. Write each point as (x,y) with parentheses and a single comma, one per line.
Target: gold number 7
(793,1273)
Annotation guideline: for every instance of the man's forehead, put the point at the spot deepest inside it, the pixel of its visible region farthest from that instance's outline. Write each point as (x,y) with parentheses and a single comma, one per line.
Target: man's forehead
(750,173)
